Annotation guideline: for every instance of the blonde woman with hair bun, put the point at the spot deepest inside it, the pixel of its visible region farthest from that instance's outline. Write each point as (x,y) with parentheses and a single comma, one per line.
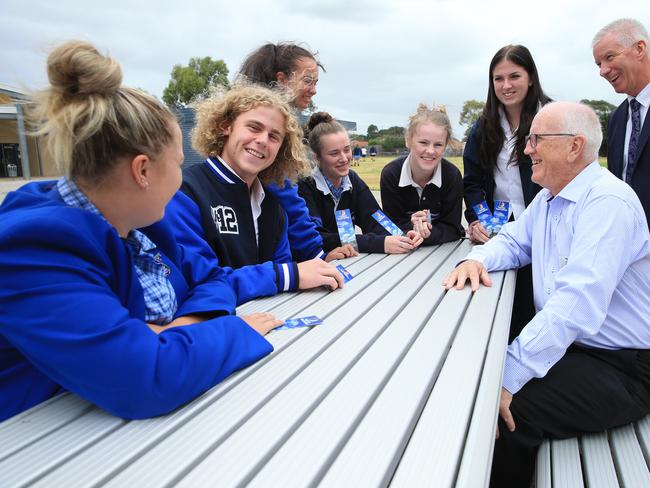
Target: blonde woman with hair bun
(423,191)
(98,297)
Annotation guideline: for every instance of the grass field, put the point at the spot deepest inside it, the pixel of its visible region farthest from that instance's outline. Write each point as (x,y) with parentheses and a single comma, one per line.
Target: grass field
(370,171)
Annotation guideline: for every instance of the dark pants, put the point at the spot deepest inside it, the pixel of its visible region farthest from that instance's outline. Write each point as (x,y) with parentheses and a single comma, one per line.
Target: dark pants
(523,305)
(588,390)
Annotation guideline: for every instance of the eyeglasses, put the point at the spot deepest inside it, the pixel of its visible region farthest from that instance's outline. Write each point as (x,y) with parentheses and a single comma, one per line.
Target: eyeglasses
(309,80)
(533,138)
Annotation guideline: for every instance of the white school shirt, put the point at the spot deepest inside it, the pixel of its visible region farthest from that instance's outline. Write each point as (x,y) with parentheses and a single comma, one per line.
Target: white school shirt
(406,176)
(507,180)
(590,252)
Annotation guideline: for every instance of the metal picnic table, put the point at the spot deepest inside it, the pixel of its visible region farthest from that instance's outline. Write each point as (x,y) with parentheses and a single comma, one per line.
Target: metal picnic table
(398,386)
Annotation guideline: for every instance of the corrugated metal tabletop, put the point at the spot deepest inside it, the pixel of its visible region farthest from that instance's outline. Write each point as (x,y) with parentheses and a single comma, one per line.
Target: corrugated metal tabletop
(398,386)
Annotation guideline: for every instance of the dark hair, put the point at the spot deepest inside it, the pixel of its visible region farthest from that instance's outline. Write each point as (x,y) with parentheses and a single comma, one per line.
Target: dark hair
(263,64)
(321,124)
(491,133)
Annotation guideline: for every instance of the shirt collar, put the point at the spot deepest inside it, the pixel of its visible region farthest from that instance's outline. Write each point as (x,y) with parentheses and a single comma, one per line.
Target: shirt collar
(505,125)
(576,187)
(643,97)
(74,197)
(257,193)
(406,176)
(321,184)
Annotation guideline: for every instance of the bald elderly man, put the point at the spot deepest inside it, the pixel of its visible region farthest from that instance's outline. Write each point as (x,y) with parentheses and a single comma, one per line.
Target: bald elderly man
(582,364)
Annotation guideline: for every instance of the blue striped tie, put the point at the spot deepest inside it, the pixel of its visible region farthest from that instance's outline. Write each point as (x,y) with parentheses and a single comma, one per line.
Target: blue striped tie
(633,147)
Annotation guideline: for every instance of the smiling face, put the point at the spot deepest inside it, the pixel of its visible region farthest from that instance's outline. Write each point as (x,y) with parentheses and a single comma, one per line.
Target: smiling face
(621,65)
(511,83)
(551,167)
(302,81)
(427,145)
(254,139)
(335,156)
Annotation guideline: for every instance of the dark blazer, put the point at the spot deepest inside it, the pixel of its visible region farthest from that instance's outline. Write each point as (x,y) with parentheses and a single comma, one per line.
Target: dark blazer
(362,205)
(615,146)
(479,184)
(445,203)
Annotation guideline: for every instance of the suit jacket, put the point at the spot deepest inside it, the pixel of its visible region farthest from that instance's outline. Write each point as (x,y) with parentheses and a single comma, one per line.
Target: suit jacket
(615,146)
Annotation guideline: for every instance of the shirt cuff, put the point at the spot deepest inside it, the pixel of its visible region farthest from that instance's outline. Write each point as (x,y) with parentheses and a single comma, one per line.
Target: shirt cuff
(478,254)
(320,255)
(515,374)
(287,277)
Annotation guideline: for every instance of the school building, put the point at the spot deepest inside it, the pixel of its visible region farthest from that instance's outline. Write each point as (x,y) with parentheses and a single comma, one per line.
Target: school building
(21,155)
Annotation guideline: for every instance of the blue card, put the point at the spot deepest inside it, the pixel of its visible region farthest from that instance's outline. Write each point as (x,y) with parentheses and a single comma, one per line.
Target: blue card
(347,276)
(345,227)
(387,224)
(501,214)
(483,214)
(308,321)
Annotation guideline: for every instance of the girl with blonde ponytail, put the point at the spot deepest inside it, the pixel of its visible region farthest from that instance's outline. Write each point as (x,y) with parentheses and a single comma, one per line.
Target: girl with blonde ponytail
(423,191)
(96,295)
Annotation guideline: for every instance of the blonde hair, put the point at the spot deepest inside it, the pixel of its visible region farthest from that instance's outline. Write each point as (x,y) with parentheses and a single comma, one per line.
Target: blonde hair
(437,115)
(321,124)
(89,119)
(224,106)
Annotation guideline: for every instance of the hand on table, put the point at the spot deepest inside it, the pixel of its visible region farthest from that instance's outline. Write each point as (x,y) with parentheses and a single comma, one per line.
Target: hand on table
(341,252)
(470,270)
(317,272)
(263,323)
(402,244)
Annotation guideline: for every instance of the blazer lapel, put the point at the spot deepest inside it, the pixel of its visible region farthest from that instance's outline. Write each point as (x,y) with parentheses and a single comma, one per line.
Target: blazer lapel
(616,139)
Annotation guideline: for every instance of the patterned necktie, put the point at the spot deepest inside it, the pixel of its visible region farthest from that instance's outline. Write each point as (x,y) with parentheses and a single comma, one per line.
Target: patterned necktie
(633,147)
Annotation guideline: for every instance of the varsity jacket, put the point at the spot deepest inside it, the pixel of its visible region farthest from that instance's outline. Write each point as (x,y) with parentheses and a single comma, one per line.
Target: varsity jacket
(72,314)
(217,210)
(358,199)
(445,203)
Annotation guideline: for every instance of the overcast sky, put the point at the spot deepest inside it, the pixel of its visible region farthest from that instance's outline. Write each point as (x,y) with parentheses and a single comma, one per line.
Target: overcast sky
(382,57)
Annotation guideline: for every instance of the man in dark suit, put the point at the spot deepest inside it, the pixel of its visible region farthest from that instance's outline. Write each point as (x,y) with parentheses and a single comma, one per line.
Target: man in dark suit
(621,52)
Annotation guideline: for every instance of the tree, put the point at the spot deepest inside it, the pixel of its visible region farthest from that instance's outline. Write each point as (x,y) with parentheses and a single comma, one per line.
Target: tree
(602,109)
(193,80)
(372,130)
(472,110)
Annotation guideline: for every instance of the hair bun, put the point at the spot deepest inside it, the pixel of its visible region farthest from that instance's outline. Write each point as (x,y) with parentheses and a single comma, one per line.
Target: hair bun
(318,118)
(77,68)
